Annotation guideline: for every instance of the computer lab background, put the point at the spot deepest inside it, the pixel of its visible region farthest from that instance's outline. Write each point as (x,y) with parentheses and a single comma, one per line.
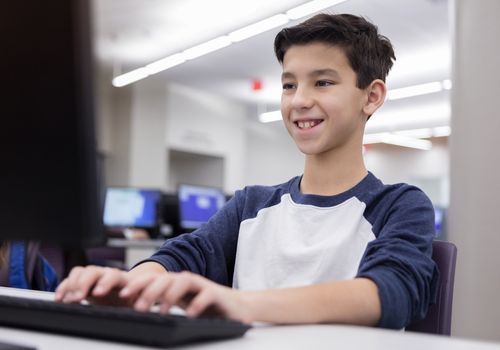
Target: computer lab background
(198,122)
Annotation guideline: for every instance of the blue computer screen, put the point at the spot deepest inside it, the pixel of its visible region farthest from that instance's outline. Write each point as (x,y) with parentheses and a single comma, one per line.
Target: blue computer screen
(439,220)
(197,204)
(131,207)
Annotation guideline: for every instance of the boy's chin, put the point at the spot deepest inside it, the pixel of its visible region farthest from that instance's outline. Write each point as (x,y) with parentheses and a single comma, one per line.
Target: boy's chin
(310,150)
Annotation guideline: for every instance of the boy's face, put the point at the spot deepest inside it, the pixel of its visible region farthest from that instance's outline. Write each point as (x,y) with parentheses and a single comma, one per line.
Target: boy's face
(321,106)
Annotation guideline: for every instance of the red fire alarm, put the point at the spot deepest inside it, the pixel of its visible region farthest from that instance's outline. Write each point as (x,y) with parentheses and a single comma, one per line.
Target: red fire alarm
(256,85)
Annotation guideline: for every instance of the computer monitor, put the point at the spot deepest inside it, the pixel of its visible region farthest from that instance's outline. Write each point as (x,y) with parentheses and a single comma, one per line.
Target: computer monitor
(48,176)
(439,221)
(197,204)
(132,207)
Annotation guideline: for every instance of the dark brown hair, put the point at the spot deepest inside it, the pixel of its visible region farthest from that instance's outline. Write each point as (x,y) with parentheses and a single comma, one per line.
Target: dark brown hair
(369,53)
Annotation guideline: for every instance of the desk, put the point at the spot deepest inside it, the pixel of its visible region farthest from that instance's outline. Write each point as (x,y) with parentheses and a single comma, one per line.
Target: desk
(136,249)
(315,337)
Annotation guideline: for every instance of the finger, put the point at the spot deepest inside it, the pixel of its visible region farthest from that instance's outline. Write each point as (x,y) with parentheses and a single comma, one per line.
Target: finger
(60,290)
(109,279)
(69,290)
(184,285)
(152,292)
(135,284)
(201,302)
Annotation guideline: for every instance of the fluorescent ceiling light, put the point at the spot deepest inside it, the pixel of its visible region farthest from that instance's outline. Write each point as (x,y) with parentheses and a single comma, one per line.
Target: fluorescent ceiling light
(414,90)
(406,141)
(311,7)
(423,133)
(257,28)
(411,117)
(441,131)
(165,63)
(398,140)
(130,77)
(207,47)
(447,85)
(223,41)
(270,117)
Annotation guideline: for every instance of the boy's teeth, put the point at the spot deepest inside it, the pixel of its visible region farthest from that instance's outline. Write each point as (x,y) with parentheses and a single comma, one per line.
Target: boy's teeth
(306,125)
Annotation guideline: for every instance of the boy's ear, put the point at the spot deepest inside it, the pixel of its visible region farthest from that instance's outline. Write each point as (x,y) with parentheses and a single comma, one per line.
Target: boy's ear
(376,92)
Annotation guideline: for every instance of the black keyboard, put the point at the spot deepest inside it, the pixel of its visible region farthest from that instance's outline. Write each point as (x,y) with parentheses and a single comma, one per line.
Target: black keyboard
(114,323)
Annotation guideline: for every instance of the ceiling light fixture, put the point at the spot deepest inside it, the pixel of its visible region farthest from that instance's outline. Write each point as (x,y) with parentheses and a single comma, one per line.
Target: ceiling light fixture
(268,117)
(257,28)
(420,89)
(130,77)
(398,140)
(311,7)
(207,47)
(405,141)
(165,63)
(223,41)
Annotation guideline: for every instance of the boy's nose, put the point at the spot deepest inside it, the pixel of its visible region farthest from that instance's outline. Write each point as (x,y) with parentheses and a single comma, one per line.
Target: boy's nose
(302,99)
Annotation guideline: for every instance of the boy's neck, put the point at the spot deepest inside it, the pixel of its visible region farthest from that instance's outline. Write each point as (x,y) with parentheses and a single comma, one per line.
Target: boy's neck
(328,174)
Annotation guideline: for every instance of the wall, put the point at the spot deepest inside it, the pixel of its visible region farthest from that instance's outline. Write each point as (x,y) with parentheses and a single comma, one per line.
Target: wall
(113,109)
(474,168)
(147,134)
(139,125)
(428,170)
(203,123)
(271,155)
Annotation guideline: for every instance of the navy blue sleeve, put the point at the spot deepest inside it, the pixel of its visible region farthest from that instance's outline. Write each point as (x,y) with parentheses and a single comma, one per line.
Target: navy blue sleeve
(209,251)
(400,261)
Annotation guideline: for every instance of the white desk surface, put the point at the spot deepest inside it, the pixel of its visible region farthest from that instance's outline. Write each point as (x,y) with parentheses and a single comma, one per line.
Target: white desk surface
(315,337)
(135,243)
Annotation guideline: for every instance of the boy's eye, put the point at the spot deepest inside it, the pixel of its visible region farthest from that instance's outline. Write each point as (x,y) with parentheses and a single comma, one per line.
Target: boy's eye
(323,83)
(288,86)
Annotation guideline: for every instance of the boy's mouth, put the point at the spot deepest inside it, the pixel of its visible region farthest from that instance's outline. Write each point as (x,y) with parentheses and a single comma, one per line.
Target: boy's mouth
(308,124)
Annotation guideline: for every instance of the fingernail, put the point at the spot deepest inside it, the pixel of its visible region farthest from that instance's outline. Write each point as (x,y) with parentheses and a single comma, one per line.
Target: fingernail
(67,298)
(140,305)
(124,292)
(98,290)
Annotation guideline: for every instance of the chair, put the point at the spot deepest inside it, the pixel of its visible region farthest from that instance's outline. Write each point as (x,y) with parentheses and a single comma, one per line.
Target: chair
(55,257)
(107,256)
(438,318)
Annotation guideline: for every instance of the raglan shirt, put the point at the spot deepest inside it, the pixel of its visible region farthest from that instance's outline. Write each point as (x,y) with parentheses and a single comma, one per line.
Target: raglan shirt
(276,237)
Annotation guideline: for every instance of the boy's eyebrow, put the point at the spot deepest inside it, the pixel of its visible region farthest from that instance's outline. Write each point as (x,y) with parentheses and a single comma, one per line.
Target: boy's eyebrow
(314,73)
(326,71)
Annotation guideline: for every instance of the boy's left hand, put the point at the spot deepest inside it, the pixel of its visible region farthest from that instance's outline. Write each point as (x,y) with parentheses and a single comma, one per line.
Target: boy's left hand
(194,293)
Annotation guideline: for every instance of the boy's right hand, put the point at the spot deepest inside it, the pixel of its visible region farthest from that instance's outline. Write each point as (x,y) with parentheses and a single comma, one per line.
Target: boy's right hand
(93,282)
(101,285)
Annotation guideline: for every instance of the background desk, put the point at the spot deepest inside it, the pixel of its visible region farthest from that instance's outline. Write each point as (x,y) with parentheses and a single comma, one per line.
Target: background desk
(136,249)
(317,337)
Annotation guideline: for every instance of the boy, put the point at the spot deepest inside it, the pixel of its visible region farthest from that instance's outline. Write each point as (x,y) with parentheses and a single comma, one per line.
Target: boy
(332,245)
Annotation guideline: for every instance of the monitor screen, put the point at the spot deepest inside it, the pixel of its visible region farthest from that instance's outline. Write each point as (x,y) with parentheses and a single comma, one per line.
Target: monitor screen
(50,185)
(197,204)
(131,207)
(439,213)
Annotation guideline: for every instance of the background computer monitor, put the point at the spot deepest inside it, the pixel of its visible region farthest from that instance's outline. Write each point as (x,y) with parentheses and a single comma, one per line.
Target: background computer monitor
(49,180)
(440,222)
(132,207)
(197,204)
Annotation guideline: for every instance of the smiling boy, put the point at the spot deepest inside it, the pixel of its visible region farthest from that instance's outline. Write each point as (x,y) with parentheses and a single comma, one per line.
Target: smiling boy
(333,245)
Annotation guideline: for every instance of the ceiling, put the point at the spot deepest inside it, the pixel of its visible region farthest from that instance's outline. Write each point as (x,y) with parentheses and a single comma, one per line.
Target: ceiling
(132,33)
